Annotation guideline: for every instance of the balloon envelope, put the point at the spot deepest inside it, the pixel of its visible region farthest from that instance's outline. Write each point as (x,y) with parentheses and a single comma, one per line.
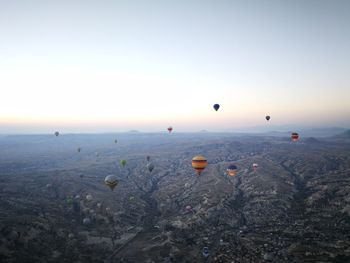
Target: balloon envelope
(150,167)
(295,136)
(199,163)
(111,181)
(57,133)
(170,129)
(216,107)
(267,117)
(232,170)
(123,162)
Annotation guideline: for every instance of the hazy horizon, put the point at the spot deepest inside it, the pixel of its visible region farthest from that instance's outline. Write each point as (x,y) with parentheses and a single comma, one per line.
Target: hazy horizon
(88,67)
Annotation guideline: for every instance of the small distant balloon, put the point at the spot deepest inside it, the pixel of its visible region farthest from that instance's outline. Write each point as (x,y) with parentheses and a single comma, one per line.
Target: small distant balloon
(115,141)
(123,162)
(79,149)
(205,252)
(199,163)
(231,170)
(111,181)
(57,133)
(150,167)
(216,107)
(148,158)
(89,197)
(295,136)
(170,129)
(267,117)
(86,221)
(188,208)
(255,166)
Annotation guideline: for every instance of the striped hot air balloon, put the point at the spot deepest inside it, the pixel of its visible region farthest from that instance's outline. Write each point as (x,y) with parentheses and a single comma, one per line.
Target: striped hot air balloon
(111,181)
(199,163)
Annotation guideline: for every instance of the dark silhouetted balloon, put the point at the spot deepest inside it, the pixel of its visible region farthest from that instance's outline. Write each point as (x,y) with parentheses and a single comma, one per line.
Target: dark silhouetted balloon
(216,107)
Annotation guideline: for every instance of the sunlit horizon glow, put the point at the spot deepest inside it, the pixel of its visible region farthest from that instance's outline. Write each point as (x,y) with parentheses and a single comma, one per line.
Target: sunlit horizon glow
(92,67)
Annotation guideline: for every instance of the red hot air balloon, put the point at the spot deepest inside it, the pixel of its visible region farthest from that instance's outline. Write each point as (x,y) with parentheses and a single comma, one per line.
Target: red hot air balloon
(170,129)
(295,136)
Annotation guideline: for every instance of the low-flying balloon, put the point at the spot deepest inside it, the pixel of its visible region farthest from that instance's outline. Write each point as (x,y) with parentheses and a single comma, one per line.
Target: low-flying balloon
(148,158)
(199,163)
(111,181)
(86,221)
(231,170)
(150,167)
(123,162)
(57,133)
(115,141)
(79,149)
(205,252)
(188,208)
(89,197)
(216,107)
(267,117)
(170,129)
(255,166)
(295,136)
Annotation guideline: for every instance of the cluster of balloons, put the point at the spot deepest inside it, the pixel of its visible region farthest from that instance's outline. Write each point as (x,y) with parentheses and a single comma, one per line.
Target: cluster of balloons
(199,162)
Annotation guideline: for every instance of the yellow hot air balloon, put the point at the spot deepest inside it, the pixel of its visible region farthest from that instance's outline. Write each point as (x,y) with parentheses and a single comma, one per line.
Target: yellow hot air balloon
(199,163)
(111,181)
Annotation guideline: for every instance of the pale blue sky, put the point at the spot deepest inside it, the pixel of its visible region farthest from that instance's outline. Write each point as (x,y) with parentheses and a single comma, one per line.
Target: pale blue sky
(119,65)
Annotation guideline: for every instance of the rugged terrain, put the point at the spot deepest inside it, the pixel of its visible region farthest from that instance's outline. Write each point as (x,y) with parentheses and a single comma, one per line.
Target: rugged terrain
(294,208)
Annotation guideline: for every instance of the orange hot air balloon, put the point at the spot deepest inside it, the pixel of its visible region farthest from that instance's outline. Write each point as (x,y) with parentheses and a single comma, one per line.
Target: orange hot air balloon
(295,136)
(170,129)
(232,170)
(199,163)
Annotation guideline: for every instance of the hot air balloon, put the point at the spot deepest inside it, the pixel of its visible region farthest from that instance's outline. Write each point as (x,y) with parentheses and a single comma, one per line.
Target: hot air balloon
(89,197)
(148,158)
(79,149)
(267,117)
(255,166)
(123,162)
(232,170)
(216,107)
(188,208)
(86,221)
(57,133)
(150,167)
(115,141)
(295,136)
(69,200)
(97,154)
(170,129)
(111,181)
(205,252)
(199,163)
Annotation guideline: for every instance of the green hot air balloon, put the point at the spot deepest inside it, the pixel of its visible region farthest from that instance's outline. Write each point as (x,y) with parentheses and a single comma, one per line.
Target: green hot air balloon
(123,162)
